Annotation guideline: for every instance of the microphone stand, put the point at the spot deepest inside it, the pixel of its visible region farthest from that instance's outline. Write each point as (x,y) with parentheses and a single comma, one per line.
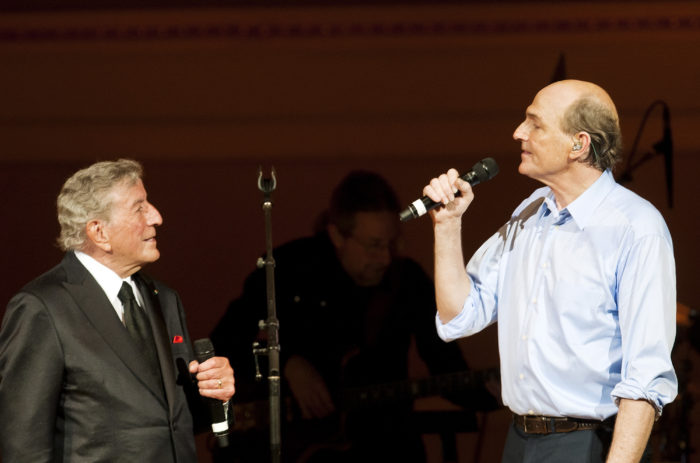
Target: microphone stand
(267,186)
(663,147)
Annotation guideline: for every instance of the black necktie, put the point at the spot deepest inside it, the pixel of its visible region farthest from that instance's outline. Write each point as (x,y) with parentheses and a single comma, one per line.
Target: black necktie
(136,322)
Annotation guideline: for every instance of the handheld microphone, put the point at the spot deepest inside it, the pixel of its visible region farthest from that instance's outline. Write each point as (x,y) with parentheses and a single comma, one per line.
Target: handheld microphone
(486,169)
(204,350)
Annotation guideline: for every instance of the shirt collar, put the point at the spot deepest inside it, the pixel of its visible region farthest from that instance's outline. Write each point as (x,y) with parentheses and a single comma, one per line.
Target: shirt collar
(108,280)
(583,207)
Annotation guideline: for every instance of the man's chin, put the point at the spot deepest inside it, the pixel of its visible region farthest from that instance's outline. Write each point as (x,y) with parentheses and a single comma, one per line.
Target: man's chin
(522,167)
(152,256)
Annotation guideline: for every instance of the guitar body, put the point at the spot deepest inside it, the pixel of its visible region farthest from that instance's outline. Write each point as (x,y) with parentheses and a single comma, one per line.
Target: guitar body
(376,423)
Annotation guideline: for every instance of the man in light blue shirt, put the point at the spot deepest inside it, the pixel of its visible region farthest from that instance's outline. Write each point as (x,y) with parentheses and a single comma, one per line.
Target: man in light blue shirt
(581,280)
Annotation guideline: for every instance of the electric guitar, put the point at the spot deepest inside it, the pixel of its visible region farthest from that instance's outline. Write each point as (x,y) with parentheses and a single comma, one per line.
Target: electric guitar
(396,391)
(255,415)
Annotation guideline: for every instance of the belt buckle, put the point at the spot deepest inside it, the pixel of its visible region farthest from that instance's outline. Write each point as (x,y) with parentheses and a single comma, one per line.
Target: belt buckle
(537,429)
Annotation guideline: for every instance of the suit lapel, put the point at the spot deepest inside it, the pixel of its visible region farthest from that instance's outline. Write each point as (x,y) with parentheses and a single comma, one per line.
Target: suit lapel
(92,300)
(160,333)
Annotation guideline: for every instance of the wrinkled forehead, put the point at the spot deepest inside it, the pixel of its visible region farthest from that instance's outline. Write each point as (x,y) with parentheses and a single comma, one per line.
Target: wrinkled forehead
(126,193)
(377,226)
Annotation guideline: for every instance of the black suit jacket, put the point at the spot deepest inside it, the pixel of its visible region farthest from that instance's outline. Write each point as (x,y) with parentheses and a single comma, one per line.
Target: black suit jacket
(73,387)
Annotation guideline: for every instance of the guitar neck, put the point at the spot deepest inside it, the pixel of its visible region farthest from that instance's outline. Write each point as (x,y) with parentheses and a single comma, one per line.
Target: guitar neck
(396,391)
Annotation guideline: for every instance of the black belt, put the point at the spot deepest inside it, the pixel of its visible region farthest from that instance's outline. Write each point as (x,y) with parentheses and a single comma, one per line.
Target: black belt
(537,424)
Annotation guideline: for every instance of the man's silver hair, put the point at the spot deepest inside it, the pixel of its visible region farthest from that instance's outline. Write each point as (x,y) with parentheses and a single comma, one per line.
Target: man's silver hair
(85,197)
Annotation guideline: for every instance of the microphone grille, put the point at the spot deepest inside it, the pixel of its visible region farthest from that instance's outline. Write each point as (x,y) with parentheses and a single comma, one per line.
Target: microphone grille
(203,349)
(490,166)
(485,169)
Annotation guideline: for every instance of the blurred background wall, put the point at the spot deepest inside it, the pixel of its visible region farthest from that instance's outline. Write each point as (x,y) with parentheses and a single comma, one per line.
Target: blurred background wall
(203,96)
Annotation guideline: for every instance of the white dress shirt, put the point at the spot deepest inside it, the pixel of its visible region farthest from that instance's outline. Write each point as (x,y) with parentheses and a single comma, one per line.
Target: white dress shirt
(109,281)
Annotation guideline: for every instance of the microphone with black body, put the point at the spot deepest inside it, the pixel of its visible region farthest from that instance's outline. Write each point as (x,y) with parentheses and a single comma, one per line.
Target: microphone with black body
(204,350)
(486,169)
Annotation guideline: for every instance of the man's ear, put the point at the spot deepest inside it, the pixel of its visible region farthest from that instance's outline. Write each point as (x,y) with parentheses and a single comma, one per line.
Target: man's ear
(580,146)
(336,237)
(97,234)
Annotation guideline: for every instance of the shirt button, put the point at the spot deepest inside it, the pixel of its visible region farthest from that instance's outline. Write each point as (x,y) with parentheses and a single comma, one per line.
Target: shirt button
(524,337)
(521,376)
(534,300)
(530,412)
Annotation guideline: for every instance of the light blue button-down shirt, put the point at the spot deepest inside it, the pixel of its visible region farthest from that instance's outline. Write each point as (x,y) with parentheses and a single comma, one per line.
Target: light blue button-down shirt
(585,299)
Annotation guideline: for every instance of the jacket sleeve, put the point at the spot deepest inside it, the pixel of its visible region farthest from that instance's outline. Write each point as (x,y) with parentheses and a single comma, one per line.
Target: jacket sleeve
(31,377)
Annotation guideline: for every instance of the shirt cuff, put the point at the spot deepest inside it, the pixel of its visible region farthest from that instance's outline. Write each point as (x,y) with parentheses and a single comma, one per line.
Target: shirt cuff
(657,399)
(455,328)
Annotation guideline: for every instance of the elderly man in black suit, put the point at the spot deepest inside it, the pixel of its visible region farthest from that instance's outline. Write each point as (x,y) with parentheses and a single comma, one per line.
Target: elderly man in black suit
(96,362)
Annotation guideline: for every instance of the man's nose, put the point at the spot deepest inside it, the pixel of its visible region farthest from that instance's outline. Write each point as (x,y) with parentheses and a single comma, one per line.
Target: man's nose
(384,254)
(154,217)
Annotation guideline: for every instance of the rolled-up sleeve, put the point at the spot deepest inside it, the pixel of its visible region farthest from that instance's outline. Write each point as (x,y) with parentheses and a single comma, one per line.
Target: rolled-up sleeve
(647,317)
(458,326)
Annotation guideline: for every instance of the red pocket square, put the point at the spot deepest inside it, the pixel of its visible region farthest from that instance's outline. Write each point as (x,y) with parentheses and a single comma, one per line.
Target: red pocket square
(177,339)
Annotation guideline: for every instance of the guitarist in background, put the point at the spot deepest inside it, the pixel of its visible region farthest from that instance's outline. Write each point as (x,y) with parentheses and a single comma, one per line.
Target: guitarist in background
(348,307)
